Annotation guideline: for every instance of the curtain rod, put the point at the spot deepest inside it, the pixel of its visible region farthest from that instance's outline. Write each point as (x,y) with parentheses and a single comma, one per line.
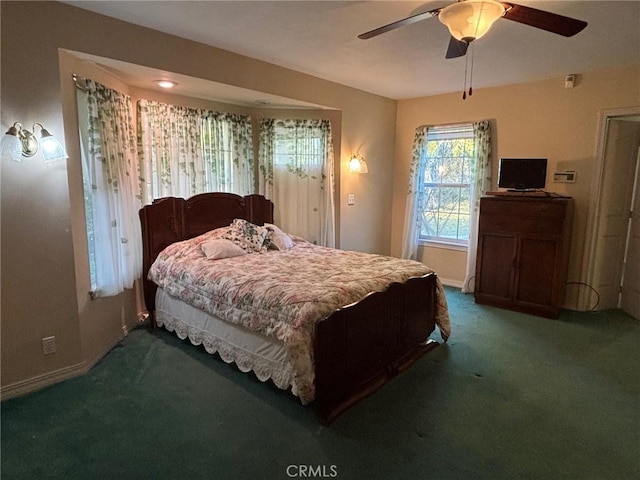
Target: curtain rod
(77,82)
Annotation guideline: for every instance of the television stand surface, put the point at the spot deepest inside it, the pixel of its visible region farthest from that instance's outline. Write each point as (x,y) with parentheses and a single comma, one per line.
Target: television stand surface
(524,193)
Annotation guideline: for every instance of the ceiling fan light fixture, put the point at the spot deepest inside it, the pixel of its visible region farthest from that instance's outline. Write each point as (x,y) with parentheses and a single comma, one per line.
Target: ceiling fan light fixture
(471,19)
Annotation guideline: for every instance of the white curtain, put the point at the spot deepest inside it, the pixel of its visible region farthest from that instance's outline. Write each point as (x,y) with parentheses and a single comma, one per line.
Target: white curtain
(481,184)
(112,190)
(297,174)
(415,195)
(185,151)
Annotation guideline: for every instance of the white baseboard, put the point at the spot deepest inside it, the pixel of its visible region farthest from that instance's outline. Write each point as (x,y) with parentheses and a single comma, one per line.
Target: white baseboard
(50,378)
(40,381)
(450,283)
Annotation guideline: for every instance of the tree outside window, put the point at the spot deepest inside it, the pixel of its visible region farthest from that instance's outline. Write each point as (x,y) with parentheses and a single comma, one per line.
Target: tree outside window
(448,174)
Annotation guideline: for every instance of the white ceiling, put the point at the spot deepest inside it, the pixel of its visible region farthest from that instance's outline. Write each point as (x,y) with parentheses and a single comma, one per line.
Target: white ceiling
(320,38)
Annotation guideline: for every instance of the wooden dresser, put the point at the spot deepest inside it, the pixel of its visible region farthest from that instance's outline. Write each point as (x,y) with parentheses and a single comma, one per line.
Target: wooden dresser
(523,251)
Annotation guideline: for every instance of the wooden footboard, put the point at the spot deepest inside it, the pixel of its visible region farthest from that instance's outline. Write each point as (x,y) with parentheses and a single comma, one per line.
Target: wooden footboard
(362,346)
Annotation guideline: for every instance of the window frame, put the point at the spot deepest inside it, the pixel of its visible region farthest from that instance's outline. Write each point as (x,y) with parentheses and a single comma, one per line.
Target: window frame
(463,131)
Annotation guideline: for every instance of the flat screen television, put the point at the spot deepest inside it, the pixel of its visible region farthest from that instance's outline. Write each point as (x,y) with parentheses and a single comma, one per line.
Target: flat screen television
(522,173)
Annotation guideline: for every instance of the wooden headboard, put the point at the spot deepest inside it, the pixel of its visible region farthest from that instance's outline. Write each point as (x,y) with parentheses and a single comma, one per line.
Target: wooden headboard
(171,219)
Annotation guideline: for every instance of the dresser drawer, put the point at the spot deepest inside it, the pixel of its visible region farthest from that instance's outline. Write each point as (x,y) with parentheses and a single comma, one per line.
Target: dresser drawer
(526,207)
(519,224)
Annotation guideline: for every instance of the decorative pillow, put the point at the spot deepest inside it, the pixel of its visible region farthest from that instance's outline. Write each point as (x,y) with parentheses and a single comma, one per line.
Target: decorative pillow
(249,237)
(221,248)
(278,239)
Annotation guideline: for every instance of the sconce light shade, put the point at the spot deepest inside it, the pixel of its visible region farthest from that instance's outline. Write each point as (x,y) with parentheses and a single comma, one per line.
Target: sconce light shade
(11,146)
(19,142)
(358,165)
(52,149)
(471,19)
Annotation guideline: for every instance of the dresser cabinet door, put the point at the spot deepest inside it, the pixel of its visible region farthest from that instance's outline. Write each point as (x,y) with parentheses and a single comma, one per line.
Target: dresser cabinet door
(494,270)
(536,270)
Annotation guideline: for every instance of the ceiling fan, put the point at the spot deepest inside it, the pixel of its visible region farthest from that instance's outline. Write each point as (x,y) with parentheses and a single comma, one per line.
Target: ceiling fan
(468,20)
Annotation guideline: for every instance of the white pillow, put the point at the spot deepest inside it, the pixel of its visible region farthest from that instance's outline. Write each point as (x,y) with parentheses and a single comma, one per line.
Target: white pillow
(279,239)
(221,248)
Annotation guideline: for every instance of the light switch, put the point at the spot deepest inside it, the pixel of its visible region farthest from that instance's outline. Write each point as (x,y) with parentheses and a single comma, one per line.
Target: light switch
(351,199)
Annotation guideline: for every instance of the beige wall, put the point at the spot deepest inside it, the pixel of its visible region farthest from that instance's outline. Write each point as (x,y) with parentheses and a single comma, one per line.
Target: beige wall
(537,119)
(449,263)
(45,280)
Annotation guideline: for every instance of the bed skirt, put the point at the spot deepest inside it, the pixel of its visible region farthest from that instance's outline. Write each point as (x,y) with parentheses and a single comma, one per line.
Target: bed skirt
(250,351)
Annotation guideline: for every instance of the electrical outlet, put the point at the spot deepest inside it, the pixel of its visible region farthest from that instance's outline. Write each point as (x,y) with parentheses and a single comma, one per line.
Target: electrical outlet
(48,345)
(351,199)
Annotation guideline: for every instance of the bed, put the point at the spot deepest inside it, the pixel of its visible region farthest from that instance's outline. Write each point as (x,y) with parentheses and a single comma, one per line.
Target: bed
(302,316)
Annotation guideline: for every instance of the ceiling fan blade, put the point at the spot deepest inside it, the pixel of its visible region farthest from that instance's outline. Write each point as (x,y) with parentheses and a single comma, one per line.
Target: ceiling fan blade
(400,23)
(457,48)
(551,22)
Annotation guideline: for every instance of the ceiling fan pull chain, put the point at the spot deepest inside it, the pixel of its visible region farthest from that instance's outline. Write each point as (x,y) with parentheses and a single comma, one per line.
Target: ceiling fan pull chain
(473,54)
(464,89)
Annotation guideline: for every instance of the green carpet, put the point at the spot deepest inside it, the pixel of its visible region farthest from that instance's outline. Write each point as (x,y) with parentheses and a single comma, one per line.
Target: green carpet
(511,396)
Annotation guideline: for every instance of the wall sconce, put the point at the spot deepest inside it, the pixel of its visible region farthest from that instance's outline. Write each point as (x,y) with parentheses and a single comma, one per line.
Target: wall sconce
(357,164)
(19,142)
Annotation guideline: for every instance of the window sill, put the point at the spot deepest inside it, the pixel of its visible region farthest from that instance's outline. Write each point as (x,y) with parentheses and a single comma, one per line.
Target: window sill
(444,245)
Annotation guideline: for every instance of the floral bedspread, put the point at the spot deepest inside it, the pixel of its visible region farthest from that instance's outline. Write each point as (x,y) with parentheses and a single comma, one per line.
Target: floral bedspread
(282,294)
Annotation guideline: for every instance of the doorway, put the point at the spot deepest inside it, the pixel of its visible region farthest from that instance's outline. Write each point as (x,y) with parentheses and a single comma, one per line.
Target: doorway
(614,257)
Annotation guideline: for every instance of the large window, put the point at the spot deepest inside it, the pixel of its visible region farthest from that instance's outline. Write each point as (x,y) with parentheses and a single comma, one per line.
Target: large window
(176,151)
(448,174)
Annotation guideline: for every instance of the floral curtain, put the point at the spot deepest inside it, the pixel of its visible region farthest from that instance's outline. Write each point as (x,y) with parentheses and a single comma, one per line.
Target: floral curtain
(481,184)
(297,173)
(415,195)
(111,190)
(185,151)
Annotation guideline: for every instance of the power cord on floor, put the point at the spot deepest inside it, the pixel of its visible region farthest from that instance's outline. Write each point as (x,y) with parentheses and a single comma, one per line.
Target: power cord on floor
(593,290)
(467,286)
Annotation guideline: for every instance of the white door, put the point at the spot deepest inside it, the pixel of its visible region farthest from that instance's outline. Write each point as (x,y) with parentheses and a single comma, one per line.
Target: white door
(630,292)
(617,190)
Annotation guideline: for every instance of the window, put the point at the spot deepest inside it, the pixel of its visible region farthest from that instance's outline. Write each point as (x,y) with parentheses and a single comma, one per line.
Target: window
(446,184)
(185,151)
(296,172)
(111,189)
(227,148)
(300,150)
(450,171)
(176,151)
